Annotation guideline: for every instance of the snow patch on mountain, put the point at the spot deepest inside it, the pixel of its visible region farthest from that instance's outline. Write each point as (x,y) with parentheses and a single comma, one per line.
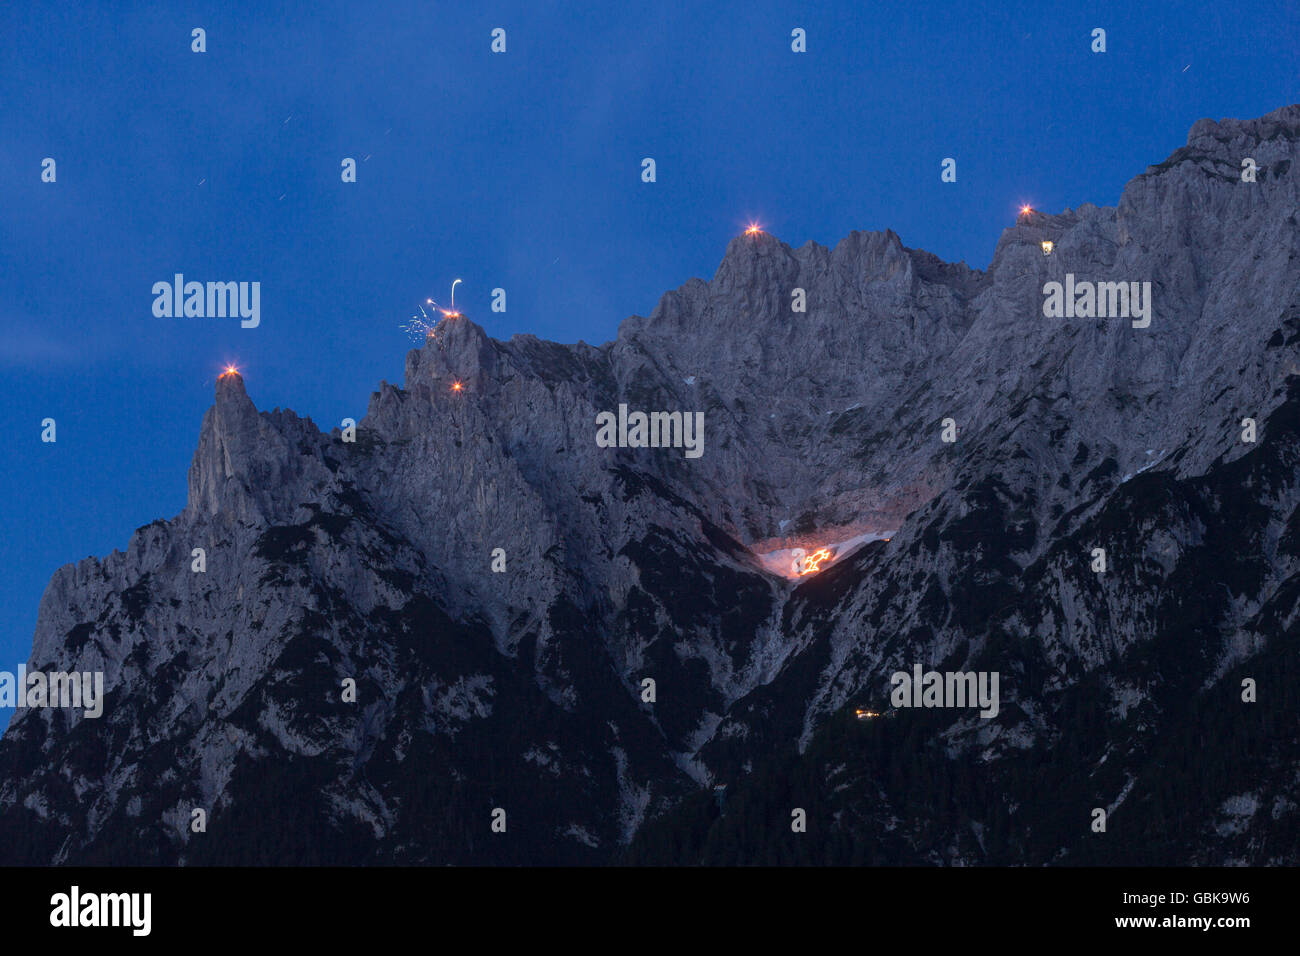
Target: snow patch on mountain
(783,561)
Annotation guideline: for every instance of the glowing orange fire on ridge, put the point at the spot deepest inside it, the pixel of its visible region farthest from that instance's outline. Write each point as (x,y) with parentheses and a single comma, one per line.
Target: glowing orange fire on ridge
(812,563)
(451,313)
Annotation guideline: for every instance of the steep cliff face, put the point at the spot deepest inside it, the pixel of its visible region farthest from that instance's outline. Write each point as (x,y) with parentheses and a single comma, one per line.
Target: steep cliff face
(522,689)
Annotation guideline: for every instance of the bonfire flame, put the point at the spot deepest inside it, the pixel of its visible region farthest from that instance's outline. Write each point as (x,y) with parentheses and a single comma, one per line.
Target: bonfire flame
(812,562)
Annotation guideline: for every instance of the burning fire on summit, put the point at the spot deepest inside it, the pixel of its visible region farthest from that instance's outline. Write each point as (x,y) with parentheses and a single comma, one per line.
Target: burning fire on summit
(424,326)
(449,313)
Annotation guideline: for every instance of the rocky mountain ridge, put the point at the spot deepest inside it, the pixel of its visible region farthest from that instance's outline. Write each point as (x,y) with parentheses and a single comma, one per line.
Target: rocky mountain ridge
(372,560)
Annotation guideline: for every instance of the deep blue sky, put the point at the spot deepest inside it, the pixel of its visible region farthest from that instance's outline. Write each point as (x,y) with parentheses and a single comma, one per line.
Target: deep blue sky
(519,170)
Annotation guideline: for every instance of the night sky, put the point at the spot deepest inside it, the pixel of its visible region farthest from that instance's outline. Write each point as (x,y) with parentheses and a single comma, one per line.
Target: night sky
(520,170)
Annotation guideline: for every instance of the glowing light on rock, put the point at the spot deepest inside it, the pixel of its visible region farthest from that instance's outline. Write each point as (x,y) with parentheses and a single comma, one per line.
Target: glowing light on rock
(1048,245)
(754,229)
(230,370)
(457,386)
